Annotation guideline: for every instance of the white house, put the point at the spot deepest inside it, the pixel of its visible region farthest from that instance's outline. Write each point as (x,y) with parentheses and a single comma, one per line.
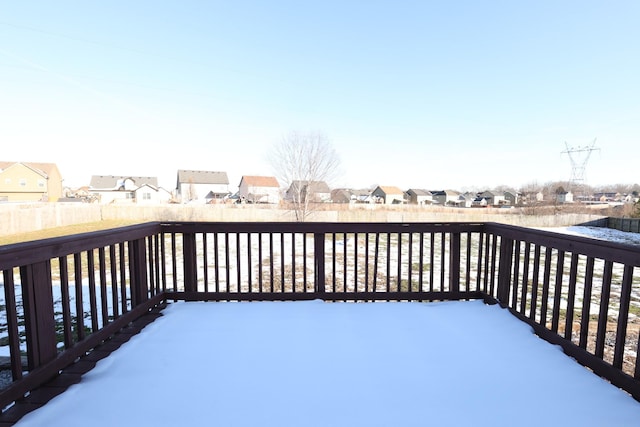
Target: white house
(148,195)
(259,189)
(388,195)
(564,197)
(119,189)
(201,186)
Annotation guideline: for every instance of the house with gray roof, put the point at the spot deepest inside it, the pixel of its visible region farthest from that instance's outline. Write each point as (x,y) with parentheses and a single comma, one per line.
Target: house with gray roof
(419,196)
(195,186)
(312,191)
(446,197)
(126,189)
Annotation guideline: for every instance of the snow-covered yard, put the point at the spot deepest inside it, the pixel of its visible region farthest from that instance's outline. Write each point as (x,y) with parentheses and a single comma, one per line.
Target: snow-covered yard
(338,364)
(600,233)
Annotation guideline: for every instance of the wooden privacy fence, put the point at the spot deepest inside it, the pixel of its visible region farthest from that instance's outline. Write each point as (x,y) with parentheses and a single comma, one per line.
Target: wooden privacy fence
(65,296)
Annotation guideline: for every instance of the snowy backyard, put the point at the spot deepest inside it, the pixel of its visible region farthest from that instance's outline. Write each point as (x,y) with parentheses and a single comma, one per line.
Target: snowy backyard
(338,364)
(314,363)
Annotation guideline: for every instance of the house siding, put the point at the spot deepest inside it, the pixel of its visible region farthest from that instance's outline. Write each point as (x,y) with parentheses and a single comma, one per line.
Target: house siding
(28,182)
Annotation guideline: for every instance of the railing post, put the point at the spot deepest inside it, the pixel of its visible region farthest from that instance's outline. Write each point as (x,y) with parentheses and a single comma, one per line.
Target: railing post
(318,262)
(138,259)
(40,326)
(189,259)
(454,262)
(504,270)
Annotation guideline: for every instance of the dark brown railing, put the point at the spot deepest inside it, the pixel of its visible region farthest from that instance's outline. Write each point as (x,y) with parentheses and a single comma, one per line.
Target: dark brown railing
(65,296)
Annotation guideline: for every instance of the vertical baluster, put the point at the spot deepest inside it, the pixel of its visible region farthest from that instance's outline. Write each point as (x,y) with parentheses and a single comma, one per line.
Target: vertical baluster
(122,262)
(525,278)
(12,323)
(93,308)
(103,286)
(603,315)
(432,242)
(623,316)
(586,303)
(557,292)
(205,262)
(375,261)
(571,296)
(535,282)
(333,261)
(66,302)
(113,272)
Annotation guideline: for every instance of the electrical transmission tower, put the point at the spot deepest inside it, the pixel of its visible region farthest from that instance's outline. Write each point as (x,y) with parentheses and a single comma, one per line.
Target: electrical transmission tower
(579,156)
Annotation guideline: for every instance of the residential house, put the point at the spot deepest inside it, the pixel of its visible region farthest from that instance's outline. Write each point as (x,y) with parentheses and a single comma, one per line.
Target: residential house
(388,195)
(480,202)
(511,198)
(125,189)
(201,186)
(493,198)
(446,197)
(564,197)
(465,200)
(341,195)
(148,194)
(419,197)
(312,191)
(259,189)
(348,195)
(29,182)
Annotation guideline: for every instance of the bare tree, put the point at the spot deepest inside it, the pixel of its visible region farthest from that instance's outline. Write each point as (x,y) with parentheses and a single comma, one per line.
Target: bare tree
(302,162)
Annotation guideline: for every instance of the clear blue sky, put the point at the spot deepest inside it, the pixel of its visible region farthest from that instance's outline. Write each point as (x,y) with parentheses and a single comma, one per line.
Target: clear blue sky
(424,94)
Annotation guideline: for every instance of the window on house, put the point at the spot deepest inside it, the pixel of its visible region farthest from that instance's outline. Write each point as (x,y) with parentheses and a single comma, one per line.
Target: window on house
(130,195)
(7,180)
(22,182)
(146,196)
(41,183)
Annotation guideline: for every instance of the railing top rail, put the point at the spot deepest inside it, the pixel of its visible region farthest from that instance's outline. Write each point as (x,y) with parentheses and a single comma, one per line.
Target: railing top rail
(603,249)
(18,254)
(325,227)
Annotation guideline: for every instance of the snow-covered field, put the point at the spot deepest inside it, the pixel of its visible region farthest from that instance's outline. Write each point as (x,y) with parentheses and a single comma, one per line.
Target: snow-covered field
(338,364)
(599,233)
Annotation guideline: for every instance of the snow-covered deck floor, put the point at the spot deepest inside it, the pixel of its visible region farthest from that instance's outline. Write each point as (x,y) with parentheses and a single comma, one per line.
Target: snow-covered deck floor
(338,364)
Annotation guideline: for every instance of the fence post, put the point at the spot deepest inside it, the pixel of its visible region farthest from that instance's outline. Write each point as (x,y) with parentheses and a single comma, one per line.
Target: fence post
(40,325)
(189,258)
(318,262)
(504,270)
(138,260)
(454,262)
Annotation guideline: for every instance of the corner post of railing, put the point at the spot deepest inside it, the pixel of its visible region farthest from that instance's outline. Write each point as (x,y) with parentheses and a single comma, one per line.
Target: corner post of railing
(504,270)
(318,262)
(139,282)
(40,326)
(189,259)
(454,262)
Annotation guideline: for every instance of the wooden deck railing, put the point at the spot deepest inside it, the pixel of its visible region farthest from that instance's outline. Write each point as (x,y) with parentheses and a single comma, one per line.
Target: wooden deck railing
(65,296)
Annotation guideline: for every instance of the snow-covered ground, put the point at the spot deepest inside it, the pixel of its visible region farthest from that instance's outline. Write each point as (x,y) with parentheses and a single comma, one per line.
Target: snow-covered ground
(600,233)
(338,364)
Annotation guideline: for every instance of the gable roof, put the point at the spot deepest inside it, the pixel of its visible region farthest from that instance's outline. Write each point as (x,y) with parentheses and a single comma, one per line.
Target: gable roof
(114,181)
(390,190)
(202,177)
(314,186)
(419,192)
(44,169)
(260,181)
